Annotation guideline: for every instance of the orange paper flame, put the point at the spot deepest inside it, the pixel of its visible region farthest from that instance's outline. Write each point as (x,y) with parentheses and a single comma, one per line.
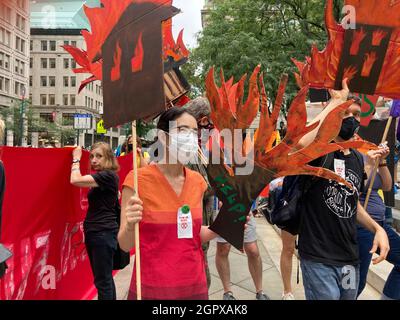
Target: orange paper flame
(285,158)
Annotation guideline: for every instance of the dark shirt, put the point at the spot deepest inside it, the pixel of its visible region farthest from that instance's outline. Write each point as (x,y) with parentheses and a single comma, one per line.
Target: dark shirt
(102,213)
(376,206)
(328,232)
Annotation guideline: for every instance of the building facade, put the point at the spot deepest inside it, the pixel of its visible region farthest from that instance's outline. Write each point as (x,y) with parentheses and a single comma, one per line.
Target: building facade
(205,12)
(54,86)
(14,54)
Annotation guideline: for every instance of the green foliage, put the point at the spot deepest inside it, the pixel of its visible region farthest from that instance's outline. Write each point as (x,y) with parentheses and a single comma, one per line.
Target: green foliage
(13,120)
(244,33)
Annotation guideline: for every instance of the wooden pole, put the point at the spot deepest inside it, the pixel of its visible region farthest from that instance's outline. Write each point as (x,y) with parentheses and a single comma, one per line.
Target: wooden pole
(375,168)
(137,241)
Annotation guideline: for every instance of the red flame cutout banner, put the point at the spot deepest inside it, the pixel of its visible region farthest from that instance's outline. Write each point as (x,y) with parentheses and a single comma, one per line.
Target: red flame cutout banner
(369,55)
(129,42)
(237,192)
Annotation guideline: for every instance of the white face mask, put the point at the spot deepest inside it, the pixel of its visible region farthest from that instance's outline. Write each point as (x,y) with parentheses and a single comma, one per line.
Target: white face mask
(183,146)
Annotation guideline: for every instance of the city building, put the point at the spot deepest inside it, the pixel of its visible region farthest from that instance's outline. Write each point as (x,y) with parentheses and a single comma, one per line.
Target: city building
(54,87)
(14,54)
(205,12)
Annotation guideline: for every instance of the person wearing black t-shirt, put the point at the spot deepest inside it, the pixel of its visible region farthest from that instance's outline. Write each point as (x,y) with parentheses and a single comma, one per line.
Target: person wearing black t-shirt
(100,226)
(328,246)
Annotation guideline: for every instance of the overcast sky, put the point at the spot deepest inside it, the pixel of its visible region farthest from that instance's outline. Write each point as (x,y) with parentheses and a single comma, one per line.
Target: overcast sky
(189,19)
(63,13)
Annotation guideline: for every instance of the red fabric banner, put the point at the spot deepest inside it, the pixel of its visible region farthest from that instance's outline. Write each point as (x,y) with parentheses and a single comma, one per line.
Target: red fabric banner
(42,224)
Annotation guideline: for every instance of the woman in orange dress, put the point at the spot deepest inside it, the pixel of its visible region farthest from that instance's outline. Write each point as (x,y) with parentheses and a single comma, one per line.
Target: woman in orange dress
(169,210)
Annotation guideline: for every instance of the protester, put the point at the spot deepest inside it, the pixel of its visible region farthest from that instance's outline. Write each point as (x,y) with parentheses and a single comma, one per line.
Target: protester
(172,265)
(100,226)
(328,232)
(376,208)
(201,110)
(253,259)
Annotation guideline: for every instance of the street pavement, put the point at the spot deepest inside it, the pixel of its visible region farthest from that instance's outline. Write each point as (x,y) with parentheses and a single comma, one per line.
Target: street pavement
(270,246)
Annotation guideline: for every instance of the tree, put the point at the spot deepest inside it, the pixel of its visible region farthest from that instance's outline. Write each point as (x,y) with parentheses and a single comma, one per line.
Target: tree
(243,33)
(52,130)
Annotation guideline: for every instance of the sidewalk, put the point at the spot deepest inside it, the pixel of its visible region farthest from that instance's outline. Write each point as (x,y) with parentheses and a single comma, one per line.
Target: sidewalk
(270,246)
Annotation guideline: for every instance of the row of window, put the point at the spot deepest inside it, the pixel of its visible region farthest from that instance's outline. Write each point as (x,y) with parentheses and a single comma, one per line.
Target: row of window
(51,45)
(50,100)
(51,81)
(51,63)
(19,66)
(91,103)
(5,86)
(5,38)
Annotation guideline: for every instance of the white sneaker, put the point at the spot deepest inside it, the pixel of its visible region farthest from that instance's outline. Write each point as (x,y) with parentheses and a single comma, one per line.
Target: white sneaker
(288,296)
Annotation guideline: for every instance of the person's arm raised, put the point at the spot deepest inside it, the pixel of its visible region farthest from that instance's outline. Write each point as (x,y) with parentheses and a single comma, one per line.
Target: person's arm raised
(76,178)
(338,97)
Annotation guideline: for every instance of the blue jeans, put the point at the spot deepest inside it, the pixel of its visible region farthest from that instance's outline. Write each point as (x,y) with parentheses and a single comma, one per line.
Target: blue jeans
(101,247)
(365,242)
(328,282)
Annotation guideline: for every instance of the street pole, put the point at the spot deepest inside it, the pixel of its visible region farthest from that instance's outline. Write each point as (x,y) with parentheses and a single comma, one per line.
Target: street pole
(24,141)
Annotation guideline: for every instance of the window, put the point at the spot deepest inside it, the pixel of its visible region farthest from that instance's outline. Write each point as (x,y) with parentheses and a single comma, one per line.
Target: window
(43,81)
(72,99)
(16,88)
(5,36)
(31,45)
(7,85)
(66,63)
(30,81)
(20,22)
(52,46)
(52,99)
(73,63)
(65,99)
(73,81)
(31,63)
(2,60)
(44,45)
(52,81)
(43,63)
(68,119)
(43,99)
(47,117)
(17,43)
(66,82)
(52,62)
(66,43)
(73,43)
(16,66)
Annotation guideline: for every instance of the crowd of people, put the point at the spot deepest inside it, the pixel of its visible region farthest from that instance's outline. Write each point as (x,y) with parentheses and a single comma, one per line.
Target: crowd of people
(174,204)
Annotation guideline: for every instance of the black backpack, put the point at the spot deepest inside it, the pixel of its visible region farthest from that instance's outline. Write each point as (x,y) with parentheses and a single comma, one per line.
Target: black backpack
(285,213)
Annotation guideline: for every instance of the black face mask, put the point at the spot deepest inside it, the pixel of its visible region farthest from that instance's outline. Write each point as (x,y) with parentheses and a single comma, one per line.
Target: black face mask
(208,126)
(350,127)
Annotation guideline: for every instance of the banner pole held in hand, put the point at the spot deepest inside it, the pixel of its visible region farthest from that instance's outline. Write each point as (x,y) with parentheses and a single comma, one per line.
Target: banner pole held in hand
(137,241)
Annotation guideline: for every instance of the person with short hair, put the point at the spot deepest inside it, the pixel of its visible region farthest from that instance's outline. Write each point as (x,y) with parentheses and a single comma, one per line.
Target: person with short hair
(330,212)
(100,225)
